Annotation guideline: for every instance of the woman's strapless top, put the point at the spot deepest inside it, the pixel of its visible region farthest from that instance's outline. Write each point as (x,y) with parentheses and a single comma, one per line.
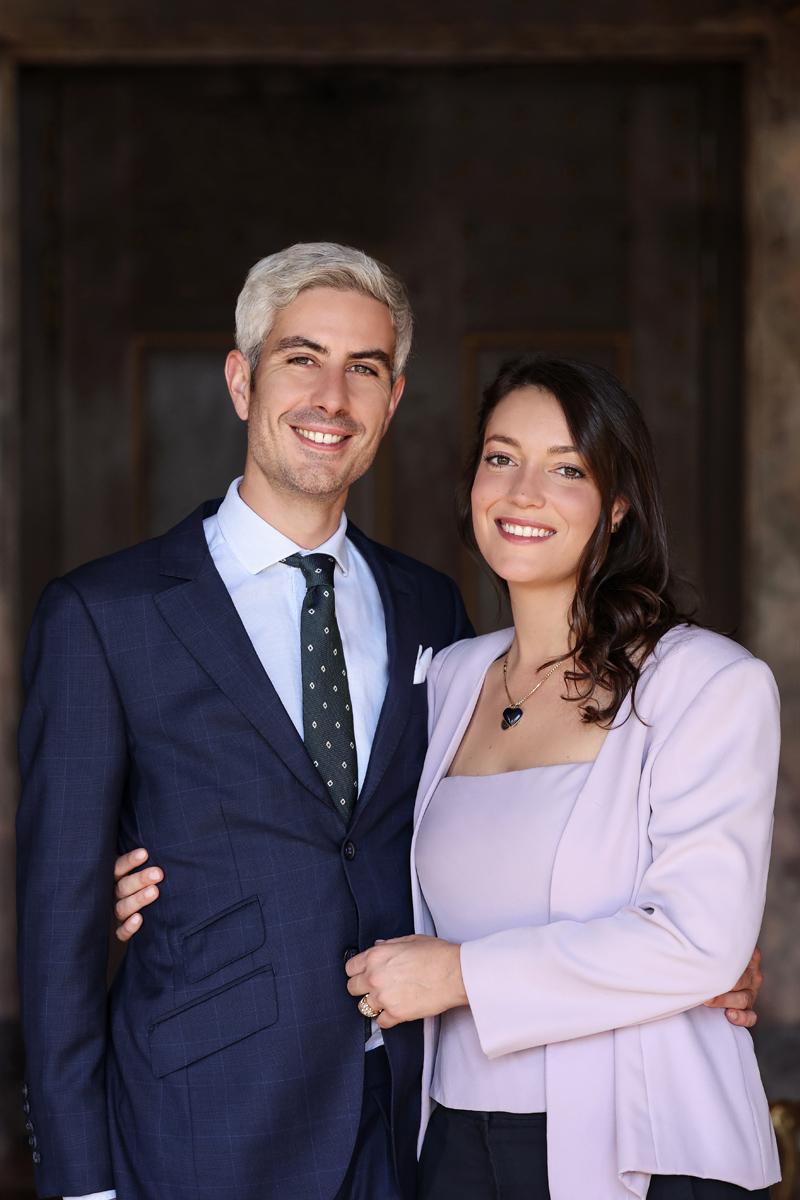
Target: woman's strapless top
(503,830)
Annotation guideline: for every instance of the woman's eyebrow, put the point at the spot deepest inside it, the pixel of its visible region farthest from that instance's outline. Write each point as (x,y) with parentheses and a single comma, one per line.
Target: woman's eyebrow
(501,437)
(509,441)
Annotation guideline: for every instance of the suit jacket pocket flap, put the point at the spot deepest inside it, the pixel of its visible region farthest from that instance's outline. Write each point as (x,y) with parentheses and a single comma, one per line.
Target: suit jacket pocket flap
(213,1022)
(222,939)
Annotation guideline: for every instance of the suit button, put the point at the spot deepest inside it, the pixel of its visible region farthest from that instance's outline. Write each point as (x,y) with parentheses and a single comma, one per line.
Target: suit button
(26,1108)
(36,1156)
(32,1141)
(29,1126)
(349,953)
(25,1091)
(349,851)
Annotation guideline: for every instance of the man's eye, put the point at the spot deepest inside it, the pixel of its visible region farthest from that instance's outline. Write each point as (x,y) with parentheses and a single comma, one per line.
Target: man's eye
(363,369)
(301,359)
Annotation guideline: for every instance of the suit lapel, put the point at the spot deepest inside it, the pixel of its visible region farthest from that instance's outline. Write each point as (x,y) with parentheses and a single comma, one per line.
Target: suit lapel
(401,614)
(202,616)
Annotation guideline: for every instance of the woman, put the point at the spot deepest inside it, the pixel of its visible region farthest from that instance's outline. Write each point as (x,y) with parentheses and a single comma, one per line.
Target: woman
(592,836)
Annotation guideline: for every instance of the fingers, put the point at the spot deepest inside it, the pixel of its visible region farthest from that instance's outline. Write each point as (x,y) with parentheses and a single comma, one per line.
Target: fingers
(133,885)
(740,1000)
(746,1018)
(367,959)
(129,862)
(738,1007)
(357,985)
(132,904)
(752,976)
(126,931)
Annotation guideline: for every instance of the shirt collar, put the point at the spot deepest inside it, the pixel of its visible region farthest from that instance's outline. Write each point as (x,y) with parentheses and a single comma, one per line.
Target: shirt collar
(258,545)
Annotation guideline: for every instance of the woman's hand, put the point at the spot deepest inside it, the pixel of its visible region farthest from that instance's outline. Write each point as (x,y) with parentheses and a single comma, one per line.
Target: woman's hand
(408,978)
(134,890)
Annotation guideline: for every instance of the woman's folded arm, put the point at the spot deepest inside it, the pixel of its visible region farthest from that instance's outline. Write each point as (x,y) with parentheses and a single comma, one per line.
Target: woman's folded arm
(695,919)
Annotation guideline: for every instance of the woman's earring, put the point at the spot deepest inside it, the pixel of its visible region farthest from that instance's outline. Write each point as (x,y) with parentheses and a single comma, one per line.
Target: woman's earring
(615,527)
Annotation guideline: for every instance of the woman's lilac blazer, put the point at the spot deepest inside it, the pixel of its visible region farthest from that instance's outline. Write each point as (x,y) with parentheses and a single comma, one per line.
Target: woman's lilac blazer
(656,901)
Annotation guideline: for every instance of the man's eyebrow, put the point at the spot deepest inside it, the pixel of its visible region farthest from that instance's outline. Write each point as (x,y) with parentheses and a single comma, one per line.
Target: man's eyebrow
(299,342)
(376,355)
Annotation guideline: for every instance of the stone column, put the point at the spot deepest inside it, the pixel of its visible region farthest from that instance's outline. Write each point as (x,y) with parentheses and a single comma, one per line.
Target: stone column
(9,491)
(771,583)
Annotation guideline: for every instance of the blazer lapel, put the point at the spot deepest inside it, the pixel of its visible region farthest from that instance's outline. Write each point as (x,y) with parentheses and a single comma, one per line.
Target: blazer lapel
(401,614)
(456,714)
(202,616)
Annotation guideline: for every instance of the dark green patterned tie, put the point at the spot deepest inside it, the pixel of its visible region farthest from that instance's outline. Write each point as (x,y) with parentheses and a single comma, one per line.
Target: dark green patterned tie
(327,711)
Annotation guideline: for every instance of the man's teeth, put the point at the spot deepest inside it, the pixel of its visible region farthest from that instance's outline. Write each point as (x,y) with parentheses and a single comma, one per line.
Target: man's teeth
(327,439)
(528,531)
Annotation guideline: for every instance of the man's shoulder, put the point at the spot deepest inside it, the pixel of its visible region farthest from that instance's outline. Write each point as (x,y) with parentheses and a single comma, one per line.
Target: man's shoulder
(138,569)
(402,566)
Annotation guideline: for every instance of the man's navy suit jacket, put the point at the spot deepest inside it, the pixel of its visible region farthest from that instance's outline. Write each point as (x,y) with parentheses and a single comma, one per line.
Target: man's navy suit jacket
(227,1060)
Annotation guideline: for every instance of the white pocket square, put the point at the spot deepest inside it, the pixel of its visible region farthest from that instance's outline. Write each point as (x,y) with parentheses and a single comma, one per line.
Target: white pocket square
(423,662)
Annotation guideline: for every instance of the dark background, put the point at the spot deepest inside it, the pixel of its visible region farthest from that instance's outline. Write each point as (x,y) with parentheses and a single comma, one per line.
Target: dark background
(617,187)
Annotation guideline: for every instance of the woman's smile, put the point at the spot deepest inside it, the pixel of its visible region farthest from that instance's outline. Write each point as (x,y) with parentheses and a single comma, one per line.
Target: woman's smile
(514,530)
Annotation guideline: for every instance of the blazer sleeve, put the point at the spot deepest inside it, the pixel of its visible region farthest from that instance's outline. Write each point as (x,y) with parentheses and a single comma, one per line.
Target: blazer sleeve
(692,927)
(73,760)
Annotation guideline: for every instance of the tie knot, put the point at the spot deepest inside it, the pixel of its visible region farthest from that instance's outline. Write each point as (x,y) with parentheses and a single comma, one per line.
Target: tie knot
(317,568)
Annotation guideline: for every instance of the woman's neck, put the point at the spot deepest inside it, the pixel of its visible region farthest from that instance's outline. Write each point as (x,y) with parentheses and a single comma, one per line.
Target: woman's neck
(541,623)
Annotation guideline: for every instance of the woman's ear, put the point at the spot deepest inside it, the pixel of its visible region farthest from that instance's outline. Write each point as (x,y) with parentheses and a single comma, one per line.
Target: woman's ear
(618,512)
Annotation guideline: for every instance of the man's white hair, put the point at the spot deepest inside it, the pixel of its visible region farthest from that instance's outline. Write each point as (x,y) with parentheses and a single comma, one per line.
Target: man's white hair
(274,282)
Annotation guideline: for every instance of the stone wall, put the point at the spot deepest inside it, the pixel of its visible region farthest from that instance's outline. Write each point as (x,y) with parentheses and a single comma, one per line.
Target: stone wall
(772,464)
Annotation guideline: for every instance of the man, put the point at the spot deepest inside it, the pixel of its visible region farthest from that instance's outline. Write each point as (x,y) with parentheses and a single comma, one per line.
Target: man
(169,699)
(244,697)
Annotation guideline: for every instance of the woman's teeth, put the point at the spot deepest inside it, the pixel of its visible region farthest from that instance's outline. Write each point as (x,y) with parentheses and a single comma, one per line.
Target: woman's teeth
(326,439)
(527,531)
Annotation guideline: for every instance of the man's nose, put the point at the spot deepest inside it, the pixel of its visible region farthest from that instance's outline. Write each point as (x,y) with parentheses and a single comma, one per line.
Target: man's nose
(330,394)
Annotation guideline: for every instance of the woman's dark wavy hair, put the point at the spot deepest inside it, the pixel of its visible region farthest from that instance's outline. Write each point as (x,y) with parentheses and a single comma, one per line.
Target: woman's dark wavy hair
(624,599)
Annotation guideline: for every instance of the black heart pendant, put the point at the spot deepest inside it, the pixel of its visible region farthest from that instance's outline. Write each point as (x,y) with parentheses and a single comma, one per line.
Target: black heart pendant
(511,716)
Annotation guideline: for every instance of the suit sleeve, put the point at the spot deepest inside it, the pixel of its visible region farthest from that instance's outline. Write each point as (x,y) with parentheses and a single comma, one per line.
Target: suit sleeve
(462,626)
(73,760)
(692,928)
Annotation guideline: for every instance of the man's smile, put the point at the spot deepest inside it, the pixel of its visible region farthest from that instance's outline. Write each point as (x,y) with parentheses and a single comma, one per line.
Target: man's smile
(325,440)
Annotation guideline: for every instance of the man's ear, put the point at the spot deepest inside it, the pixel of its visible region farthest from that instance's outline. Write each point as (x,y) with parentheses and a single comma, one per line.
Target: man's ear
(398,387)
(237,377)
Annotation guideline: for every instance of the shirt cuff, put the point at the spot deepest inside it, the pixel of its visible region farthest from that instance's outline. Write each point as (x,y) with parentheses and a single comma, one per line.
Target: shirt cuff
(94,1196)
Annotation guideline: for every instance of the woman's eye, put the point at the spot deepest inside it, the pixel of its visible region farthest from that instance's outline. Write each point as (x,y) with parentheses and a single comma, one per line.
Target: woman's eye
(497,460)
(570,472)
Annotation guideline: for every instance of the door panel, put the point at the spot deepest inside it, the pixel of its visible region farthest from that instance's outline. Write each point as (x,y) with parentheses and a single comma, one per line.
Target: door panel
(566,204)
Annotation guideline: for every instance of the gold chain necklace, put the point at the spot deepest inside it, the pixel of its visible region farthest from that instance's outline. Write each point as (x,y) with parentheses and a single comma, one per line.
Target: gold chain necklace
(514,714)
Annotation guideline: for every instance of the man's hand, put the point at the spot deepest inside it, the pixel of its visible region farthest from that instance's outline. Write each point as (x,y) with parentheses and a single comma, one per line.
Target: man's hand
(740,1002)
(134,890)
(408,978)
